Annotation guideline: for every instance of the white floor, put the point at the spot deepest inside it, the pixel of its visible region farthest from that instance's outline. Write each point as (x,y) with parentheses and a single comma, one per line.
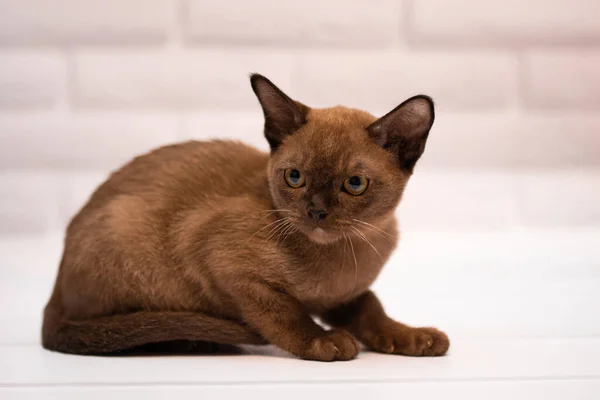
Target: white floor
(522,310)
(516,369)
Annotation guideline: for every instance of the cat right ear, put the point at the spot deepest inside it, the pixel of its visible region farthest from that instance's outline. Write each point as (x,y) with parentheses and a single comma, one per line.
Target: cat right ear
(404,130)
(283,116)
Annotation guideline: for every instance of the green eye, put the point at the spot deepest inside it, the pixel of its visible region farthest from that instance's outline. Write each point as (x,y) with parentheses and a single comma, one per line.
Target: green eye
(356,185)
(294,178)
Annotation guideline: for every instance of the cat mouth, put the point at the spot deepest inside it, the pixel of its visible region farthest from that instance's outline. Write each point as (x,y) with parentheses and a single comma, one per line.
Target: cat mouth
(321,232)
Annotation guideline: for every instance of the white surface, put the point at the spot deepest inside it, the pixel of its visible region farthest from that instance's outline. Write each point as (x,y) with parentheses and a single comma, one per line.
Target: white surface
(540,359)
(531,368)
(471,390)
(521,308)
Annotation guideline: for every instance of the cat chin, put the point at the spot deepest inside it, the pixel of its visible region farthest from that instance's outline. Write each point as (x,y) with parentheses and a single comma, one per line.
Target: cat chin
(321,236)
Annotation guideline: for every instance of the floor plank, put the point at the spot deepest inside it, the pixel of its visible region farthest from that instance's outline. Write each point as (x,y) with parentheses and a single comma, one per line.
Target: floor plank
(530,359)
(581,389)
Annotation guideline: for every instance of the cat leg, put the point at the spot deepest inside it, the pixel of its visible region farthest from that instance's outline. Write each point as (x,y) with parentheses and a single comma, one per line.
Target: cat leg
(282,321)
(365,318)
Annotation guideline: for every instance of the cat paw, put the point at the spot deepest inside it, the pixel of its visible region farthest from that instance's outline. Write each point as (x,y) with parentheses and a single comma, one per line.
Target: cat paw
(335,345)
(417,342)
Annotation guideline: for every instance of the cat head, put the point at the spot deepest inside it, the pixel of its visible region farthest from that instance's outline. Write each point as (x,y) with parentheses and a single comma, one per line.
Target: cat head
(331,168)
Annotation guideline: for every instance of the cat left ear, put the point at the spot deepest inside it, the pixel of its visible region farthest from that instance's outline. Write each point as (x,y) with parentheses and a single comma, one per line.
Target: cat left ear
(283,116)
(404,130)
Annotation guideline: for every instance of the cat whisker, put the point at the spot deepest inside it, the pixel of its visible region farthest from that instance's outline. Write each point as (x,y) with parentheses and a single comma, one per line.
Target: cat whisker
(344,257)
(280,229)
(282,223)
(366,240)
(345,246)
(269,212)
(265,227)
(273,232)
(376,229)
(373,226)
(249,350)
(355,268)
(293,230)
(289,227)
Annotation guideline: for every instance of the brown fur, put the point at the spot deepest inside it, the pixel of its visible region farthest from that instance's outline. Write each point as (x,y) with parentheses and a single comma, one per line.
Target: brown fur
(206,242)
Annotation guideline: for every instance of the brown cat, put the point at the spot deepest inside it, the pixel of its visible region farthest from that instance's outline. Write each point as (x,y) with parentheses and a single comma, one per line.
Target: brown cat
(218,242)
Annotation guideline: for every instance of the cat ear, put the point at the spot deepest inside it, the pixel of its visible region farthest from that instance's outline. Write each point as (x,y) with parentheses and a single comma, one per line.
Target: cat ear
(404,130)
(283,116)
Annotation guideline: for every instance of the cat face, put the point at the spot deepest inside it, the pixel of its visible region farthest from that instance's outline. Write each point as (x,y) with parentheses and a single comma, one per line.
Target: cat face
(330,174)
(333,170)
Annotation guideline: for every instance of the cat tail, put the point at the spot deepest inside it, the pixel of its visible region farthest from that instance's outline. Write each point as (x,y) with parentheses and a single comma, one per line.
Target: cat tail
(126,331)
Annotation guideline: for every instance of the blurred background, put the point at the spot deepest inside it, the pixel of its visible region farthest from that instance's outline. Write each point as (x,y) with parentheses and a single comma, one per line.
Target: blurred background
(501,221)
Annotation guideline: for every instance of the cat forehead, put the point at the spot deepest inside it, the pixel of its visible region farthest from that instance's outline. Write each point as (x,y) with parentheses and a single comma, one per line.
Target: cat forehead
(339,118)
(333,132)
(332,140)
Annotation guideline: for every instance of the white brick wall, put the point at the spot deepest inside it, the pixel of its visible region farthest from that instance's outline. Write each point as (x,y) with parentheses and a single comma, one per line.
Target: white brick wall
(372,23)
(29,202)
(87,84)
(62,22)
(81,141)
(31,79)
(563,79)
(457,80)
(173,79)
(509,22)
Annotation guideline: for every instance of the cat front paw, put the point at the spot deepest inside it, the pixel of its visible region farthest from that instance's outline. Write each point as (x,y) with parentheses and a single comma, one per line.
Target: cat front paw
(408,341)
(335,345)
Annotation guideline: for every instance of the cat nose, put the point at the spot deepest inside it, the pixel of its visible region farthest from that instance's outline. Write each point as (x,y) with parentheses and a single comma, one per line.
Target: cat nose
(317,215)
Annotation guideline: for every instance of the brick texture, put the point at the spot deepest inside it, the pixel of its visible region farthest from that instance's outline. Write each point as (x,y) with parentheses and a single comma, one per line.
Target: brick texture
(84,141)
(513,142)
(508,22)
(303,23)
(563,79)
(246,126)
(86,84)
(461,80)
(82,21)
(157,79)
(30,79)
(28,202)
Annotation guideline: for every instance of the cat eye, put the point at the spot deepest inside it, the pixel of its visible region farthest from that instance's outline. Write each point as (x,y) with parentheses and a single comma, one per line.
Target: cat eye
(294,178)
(356,185)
